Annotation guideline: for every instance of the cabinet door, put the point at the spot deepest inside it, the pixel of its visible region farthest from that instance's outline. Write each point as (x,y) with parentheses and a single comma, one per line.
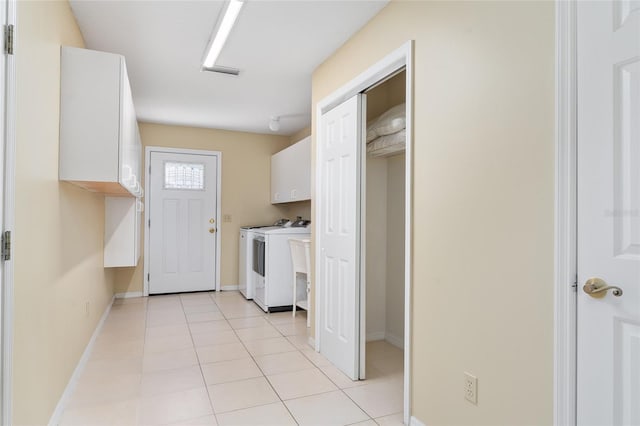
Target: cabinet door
(99,142)
(90,86)
(121,232)
(129,140)
(291,173)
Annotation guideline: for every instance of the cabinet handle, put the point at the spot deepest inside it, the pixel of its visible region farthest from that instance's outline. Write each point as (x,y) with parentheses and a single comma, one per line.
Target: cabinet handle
(126,173)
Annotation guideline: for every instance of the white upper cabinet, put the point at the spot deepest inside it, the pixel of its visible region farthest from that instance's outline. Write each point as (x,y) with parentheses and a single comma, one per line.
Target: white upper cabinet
(291,173)
(100,146)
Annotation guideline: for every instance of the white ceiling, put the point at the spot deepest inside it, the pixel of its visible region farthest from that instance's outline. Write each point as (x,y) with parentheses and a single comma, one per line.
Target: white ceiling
(275,44)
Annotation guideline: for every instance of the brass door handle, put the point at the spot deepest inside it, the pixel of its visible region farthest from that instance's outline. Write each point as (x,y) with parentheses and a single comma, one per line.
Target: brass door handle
(597,287)
(212,230)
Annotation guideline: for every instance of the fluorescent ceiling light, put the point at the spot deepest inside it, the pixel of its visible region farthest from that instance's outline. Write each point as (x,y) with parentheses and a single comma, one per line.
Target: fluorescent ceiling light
(222,32)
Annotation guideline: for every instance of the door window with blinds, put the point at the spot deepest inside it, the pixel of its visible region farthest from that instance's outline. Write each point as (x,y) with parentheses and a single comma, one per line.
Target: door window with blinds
(188,176)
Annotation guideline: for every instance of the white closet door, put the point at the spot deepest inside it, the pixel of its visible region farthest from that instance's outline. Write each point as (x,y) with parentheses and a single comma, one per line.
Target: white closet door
(338,233)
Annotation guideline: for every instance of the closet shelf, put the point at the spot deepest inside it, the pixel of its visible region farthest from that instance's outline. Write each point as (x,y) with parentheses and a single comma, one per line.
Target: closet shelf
(388,145)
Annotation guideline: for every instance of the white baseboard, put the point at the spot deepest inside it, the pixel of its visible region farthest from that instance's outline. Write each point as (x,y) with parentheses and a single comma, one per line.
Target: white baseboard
(73,381)
(416,422)
(228,287)
(375,335)
(128,295)
(397,341)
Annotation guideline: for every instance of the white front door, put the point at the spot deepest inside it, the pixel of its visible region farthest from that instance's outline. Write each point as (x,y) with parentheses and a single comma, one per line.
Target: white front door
(183,223)
(608,373)
(338,241)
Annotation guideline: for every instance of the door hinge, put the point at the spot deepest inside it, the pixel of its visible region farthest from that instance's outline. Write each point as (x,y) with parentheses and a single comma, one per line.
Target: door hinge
(149,223)
(8,39)
(149,169)
(6,245)
(148,277)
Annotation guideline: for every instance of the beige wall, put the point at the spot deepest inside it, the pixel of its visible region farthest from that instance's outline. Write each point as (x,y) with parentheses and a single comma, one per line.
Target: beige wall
(299,135)
(293,210)
(59,228)
(394,289)
(376,247)
(385,238)
(389,94)
(246,171)
(483,200)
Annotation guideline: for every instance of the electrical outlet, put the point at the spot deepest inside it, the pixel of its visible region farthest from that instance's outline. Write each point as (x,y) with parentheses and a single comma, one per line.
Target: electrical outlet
(471,388)
(226,218)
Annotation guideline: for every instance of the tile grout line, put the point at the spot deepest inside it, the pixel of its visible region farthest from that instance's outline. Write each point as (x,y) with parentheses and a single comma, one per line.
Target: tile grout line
(347,395)
(180,368)
(144,347)
(262,371)
(267,320)
(204,381)
(316,367)
(253,357)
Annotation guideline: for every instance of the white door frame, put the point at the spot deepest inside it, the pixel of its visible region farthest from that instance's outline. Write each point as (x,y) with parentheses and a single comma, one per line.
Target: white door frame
(147,186)
(565,204)
(8,108)
(565,331)
(389,65)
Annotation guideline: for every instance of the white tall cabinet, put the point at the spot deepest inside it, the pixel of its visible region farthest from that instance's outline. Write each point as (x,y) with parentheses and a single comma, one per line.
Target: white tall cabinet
(100,147)
(291,173)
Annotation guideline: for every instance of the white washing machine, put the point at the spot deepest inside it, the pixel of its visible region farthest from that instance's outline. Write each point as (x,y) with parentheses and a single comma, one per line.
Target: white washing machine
(272,268)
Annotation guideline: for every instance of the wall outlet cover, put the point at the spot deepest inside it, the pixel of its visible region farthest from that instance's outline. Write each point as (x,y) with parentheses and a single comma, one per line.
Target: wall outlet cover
(471,388)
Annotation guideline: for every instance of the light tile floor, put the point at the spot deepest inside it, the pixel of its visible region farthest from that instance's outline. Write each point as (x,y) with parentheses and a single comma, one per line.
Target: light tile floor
(215,358)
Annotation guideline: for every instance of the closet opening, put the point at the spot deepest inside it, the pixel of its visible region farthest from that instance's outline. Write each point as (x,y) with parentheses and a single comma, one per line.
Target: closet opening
(383,232)
(363,231)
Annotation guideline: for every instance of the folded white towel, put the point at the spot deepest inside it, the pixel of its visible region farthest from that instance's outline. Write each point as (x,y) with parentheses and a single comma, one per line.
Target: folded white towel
(392,121)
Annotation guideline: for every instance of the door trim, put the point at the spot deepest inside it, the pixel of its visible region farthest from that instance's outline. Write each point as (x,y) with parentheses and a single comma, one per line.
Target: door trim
(565,286)
(8,207)
(147,160)
(400,58)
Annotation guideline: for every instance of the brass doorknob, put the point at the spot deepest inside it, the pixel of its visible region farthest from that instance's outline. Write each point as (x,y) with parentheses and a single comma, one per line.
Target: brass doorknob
(597,287)
(211,220)
(212,230)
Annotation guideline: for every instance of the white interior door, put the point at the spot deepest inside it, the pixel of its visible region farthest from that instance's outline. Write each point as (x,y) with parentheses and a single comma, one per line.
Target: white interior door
(6,218)
(338,235)
(183,224)
(608,388)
